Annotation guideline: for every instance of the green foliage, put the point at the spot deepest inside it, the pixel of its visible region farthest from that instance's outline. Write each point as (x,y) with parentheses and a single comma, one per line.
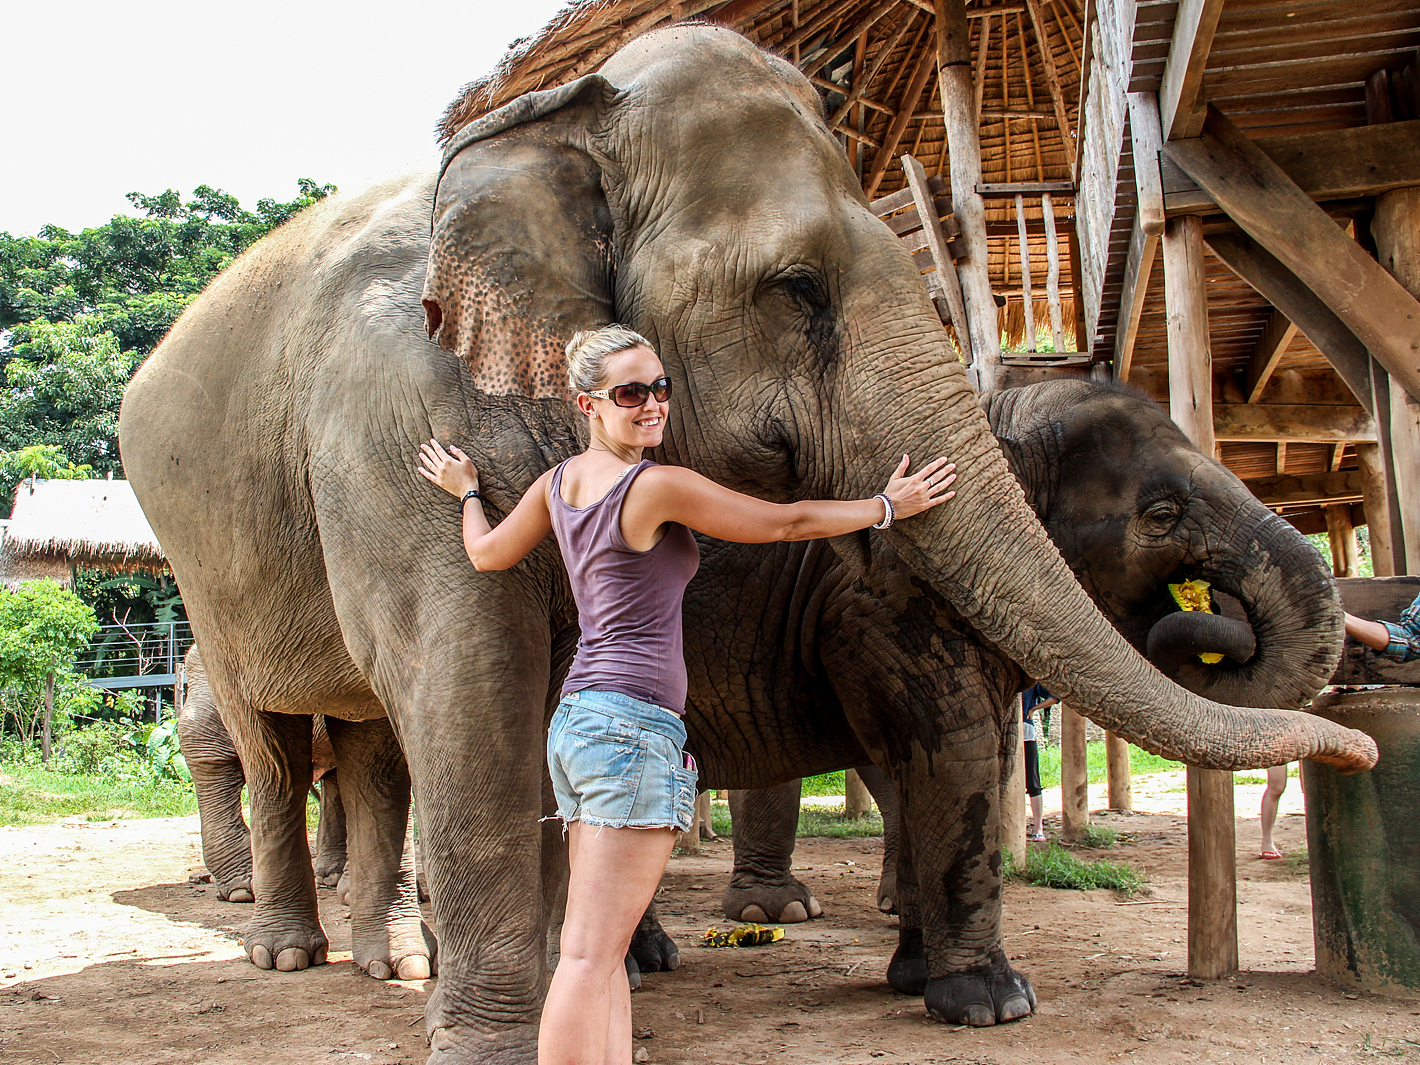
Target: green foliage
(31,794)
(1055,867)
(813,821)
(42,628)
(1097,837)
(1365,567)
(824,784)
(1141,763)
(83,309)
(48,462)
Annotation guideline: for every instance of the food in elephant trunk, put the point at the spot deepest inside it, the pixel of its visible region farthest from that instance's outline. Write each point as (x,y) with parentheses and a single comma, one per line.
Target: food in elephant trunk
(271,450)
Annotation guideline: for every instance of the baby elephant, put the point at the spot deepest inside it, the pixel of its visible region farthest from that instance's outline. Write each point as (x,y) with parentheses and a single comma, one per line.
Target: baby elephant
(218,778)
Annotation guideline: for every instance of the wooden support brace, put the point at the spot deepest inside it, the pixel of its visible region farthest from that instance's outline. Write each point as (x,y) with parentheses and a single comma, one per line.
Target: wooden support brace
(1026,297)
(1190,351)
(1013,795)
(1271,346)
(1052,274)
(941,256)
(1194,26)
(857,800)
(1345,552)
(1270,207)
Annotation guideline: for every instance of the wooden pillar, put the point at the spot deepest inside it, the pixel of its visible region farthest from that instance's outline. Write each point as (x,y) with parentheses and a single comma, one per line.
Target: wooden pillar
(1074,775)
(1212,851)
(1342,534)
(1212,880)
(856,800)
(1396,229)
(958,93)
(1373,494)
(1121,786)
(1013,797)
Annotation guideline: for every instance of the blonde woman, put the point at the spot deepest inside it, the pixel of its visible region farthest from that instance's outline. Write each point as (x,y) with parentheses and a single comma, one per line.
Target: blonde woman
(615,746)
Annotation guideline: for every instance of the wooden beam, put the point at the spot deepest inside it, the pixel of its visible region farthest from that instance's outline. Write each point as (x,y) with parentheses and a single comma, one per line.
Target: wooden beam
(1143,249)
(1373,495)
(1272,423)
(900,123)
(853,33)
(1190,352)
(1270,207)
(1193,29)
(1271,346)
(1052,76)
(983,49)
(1337,164)
(1281,464)
(1338,454)
(1381,387)
(1396,229)
(1027,297)
(1005,190)
(1052,273)
(937,245)
(959,116)
(860,85)
(1146,138)
(1308,489)
(1282,288)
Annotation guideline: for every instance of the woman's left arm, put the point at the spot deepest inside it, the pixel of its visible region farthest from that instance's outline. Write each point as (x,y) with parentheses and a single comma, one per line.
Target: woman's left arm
(684,496)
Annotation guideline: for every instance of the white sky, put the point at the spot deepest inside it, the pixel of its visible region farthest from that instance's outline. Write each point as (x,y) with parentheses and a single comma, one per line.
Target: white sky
(104,98)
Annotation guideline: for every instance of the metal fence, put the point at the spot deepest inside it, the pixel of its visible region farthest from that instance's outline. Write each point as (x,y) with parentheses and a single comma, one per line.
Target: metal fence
(135,656)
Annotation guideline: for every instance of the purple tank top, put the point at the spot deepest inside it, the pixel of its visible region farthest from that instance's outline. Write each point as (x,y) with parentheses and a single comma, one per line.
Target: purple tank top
(628,601)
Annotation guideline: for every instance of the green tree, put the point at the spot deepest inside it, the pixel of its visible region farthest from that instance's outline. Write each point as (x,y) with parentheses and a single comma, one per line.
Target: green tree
(42,629)
(44,461)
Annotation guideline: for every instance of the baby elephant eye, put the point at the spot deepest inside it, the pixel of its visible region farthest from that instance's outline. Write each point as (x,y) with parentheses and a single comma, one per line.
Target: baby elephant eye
(1163,515)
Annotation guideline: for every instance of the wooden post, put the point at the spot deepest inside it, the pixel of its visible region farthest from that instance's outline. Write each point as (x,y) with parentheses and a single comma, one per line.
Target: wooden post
(856,799)
(1052,273)
(1396,229)
(1121,786)
(1074,775)
(1013,796)
(1212,875)
(958,93)
(704,816)
(1027,297)
(46,737)
(1373,495)
(1212,857)
(1342,534)
(689,842)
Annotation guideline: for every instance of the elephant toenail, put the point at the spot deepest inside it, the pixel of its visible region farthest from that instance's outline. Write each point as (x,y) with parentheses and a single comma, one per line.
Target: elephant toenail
(1014,1008)
(794,913)
(379,970)
(979,1016)
(887,904)
(291,959)
(815,910)
(414,967)
(318,958)
(261,957)
(754,913)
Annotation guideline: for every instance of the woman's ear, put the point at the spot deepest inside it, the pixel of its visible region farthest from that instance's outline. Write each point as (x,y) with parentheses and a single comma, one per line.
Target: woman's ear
(522,249)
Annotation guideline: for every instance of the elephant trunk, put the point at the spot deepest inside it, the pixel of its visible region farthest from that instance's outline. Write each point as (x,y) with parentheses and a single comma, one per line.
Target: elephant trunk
(1292,606)
(989,556)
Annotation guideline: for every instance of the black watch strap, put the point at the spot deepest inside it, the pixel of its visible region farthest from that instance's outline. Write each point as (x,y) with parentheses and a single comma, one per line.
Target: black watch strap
(472,493)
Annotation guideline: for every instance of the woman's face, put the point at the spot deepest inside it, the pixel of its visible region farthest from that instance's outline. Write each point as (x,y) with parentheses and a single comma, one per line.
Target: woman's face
(632,426)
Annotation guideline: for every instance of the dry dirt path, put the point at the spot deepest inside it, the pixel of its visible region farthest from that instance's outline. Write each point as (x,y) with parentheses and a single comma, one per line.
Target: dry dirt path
(108,954)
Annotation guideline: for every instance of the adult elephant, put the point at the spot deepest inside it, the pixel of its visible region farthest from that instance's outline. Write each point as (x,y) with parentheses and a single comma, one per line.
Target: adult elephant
(1132,506)
(692,190)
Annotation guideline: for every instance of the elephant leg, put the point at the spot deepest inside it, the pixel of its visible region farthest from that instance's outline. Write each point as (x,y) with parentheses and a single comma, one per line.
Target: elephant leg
(884,793)
(907,972)
(762,887)
(285,931)
(217,781)
(330,837)
(388,936)
(652,950)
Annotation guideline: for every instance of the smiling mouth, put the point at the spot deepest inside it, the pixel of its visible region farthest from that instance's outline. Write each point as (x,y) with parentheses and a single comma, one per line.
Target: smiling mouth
(649,423)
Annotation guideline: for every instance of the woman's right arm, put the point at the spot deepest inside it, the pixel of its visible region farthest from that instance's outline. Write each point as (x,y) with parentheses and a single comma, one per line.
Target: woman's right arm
(516,535)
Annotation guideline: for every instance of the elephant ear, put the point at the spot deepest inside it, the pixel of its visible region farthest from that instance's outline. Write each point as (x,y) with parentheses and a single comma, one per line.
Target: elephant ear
(522,248)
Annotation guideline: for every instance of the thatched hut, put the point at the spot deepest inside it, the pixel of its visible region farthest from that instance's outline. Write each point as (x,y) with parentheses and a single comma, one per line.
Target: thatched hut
(59,526)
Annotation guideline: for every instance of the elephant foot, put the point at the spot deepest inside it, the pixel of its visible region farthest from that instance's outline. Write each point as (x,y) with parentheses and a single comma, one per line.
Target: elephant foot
(633,972)
(236,891)
(789,903)
(992,994)
(342,887)
(328,875)
(653,950)
(287,950)
(452,1042)
(406,950)
(907,972)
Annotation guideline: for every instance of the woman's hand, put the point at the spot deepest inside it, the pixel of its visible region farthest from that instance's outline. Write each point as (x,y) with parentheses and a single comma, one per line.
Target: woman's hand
(451,470)
(923,490)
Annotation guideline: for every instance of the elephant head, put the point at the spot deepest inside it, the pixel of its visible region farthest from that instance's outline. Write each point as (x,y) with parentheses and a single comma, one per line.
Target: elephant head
(1135,507)
(692,190)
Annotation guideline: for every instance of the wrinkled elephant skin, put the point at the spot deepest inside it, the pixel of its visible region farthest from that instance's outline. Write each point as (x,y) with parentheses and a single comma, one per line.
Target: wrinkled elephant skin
(285,406)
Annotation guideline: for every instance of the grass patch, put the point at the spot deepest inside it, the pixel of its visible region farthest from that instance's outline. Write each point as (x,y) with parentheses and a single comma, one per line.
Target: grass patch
(1299,862)
(824,784)
(32,795)
(1097,837)
(1141,764)
(813,821)
(1055,867)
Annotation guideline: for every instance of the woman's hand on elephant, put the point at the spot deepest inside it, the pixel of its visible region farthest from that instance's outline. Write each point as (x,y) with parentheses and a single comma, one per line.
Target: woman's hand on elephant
(451,470)
(923,489)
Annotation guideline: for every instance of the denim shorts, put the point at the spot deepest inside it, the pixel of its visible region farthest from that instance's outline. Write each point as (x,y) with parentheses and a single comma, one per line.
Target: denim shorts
(619,762)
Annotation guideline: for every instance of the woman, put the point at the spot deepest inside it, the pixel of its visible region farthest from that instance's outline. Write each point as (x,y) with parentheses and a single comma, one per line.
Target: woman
(614,747)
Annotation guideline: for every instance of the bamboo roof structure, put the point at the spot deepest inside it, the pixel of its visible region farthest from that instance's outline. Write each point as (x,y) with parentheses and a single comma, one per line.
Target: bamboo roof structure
(873,61)
(59,525)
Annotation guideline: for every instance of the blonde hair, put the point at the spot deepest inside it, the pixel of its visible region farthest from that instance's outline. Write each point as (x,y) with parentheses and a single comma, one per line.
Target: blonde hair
(588,351)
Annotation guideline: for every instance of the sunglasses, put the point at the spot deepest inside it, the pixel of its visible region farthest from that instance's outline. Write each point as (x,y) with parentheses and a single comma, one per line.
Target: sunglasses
(635,393)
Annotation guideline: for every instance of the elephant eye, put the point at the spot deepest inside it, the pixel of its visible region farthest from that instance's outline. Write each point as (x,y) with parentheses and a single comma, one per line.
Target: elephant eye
(802,287)
(1160,517)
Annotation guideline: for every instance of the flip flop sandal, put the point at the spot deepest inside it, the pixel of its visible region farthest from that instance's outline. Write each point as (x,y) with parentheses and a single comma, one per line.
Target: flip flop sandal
(1270,855)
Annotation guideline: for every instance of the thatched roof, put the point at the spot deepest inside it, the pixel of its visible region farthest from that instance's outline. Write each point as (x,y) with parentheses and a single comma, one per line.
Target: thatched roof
(60,524)
(867,57)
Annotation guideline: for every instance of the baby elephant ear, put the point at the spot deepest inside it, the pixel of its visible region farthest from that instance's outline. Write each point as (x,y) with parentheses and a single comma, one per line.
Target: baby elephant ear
(522,248)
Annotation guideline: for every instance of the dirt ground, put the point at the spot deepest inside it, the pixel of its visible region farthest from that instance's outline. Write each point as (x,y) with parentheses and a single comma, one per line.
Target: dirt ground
(109,954)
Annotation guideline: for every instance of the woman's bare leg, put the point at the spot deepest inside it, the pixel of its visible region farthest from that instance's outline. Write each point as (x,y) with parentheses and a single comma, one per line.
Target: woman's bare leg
(586,1019)
(1276,785)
